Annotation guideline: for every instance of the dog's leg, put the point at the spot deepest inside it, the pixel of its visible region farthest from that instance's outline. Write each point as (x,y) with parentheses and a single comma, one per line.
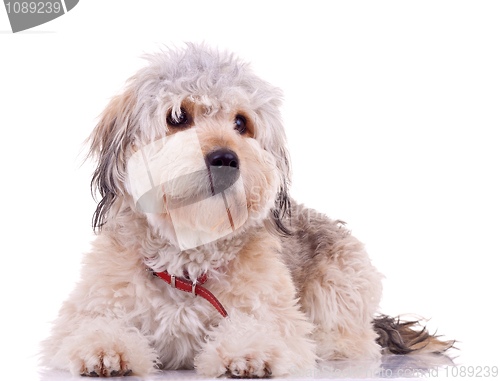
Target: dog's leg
(339,288)
(340,296)
(94,334)
(266,333)
(99,346)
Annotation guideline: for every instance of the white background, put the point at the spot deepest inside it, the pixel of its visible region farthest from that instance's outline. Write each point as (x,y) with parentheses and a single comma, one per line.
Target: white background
(392,114)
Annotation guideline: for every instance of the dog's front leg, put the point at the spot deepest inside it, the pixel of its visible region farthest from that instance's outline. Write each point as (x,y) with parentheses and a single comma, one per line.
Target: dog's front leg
(265,333)
(244,346)
(100,330)
(98,346)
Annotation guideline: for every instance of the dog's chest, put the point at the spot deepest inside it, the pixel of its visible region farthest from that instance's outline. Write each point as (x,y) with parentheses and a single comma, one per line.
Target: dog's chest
(178,323)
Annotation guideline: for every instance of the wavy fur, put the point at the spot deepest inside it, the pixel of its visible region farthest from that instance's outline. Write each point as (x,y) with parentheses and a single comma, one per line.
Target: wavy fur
(297,286)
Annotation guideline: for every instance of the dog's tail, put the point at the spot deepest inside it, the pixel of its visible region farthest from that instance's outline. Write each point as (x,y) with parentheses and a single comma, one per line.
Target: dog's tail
(404,337)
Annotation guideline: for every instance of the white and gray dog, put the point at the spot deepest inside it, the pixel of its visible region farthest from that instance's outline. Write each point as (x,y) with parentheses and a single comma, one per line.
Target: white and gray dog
(201,259)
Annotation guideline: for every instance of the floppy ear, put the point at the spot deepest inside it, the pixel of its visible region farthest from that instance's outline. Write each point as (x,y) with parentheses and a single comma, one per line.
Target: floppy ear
(108,144)
(273,136)
(282,210)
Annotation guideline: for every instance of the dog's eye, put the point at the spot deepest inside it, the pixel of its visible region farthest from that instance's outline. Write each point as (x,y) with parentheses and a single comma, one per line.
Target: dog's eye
(240,124)
(181,120)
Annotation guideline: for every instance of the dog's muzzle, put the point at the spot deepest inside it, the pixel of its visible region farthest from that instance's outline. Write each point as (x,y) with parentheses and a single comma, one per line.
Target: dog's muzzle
(215,190)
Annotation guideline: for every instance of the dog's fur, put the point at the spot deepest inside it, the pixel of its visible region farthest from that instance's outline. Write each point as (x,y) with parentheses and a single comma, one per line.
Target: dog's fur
(297,286)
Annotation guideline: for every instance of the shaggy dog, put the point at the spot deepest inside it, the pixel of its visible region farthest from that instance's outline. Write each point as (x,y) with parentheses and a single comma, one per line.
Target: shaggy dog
(193,171)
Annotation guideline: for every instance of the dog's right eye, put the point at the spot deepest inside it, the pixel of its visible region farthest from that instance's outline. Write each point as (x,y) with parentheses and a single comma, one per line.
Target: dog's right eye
(240,124)
(181,120)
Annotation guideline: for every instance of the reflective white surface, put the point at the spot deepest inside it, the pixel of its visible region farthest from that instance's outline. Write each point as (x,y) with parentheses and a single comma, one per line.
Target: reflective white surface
(389,366)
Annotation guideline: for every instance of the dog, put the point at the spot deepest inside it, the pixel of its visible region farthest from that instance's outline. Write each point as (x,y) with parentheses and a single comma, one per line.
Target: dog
(202,260)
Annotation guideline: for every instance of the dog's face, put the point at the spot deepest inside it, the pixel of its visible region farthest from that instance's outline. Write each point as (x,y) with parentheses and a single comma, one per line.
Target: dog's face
(196,143)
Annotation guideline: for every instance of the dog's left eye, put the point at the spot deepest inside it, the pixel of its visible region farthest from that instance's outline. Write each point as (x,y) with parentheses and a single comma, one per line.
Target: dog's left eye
(240,123)
(180,121)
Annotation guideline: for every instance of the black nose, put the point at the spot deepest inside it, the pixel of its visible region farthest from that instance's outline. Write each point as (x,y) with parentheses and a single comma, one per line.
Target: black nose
(223,158)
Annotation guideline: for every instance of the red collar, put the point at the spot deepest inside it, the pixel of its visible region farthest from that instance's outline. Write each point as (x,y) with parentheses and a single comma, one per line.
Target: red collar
(186,285)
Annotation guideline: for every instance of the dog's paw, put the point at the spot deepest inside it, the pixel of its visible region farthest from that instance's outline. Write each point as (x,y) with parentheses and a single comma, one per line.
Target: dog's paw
(101,356)
(105,363)
(252,364)
(247,348)
(106,349)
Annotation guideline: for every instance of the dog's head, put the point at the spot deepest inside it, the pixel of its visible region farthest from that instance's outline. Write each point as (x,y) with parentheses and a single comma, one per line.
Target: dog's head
(207,132)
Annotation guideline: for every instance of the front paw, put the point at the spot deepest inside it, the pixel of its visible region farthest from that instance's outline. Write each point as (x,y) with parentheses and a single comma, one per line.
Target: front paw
(250,366)
(100,362)
(107,349)
(101,355)
(236,364)
(246,347)
(256,353)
